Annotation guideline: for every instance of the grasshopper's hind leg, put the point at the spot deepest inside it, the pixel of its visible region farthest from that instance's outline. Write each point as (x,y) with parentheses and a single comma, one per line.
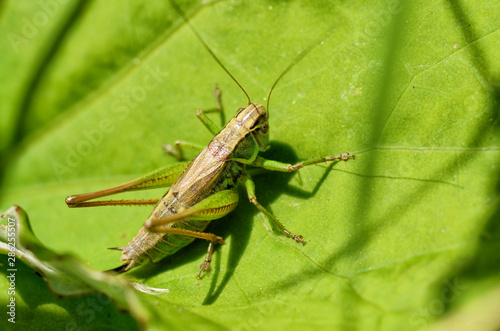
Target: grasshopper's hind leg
(206,264)
(212,238)
(162,177)
(212,207)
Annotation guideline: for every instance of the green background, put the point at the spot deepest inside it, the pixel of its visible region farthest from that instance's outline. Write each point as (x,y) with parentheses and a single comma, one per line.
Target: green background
(406,236)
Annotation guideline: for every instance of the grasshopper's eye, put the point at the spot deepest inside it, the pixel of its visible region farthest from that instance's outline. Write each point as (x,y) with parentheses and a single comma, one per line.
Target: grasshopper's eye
(264,127)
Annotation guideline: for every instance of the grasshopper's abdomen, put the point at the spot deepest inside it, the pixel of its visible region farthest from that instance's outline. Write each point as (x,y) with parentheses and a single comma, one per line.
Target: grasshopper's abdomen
(150,246)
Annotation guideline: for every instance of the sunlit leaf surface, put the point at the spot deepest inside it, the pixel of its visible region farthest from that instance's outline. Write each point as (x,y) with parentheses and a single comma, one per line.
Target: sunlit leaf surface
(396,239)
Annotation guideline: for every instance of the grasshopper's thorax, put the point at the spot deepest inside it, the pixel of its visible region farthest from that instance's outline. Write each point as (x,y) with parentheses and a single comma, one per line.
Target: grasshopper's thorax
(249,120)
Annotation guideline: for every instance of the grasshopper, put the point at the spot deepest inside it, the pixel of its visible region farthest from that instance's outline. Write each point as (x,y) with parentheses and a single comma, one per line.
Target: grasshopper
(205,188)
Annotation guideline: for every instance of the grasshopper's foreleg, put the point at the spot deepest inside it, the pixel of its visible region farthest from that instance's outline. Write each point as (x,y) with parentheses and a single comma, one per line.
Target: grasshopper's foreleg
(287,167)
(212,207)
(250,187)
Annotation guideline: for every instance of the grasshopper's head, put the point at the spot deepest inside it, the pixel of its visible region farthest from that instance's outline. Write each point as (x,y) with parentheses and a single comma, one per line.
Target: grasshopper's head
(260,130)
(252,120)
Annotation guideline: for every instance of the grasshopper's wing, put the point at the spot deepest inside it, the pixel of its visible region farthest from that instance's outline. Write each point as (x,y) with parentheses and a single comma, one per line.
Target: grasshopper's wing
(158,178)
(201,174)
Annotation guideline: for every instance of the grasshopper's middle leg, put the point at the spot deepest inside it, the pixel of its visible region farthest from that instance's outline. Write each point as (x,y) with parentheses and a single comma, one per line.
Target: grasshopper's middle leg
(201,113)
(285,167)
(250,187)
(177,149)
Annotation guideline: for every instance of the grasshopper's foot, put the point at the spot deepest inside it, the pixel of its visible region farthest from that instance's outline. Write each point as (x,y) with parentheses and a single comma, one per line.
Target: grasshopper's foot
(218,101)
(297,238)
(218,97)
(344,157)
(300,165)
(174,150)
(347,156)
(206,264)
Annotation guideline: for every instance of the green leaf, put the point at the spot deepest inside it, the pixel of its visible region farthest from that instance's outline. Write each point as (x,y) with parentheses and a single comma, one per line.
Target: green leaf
(65,276)
(397,238)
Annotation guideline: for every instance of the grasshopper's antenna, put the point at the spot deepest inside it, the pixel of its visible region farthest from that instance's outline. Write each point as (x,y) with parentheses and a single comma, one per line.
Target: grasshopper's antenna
(184,17)
(295,61)
(290,66)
